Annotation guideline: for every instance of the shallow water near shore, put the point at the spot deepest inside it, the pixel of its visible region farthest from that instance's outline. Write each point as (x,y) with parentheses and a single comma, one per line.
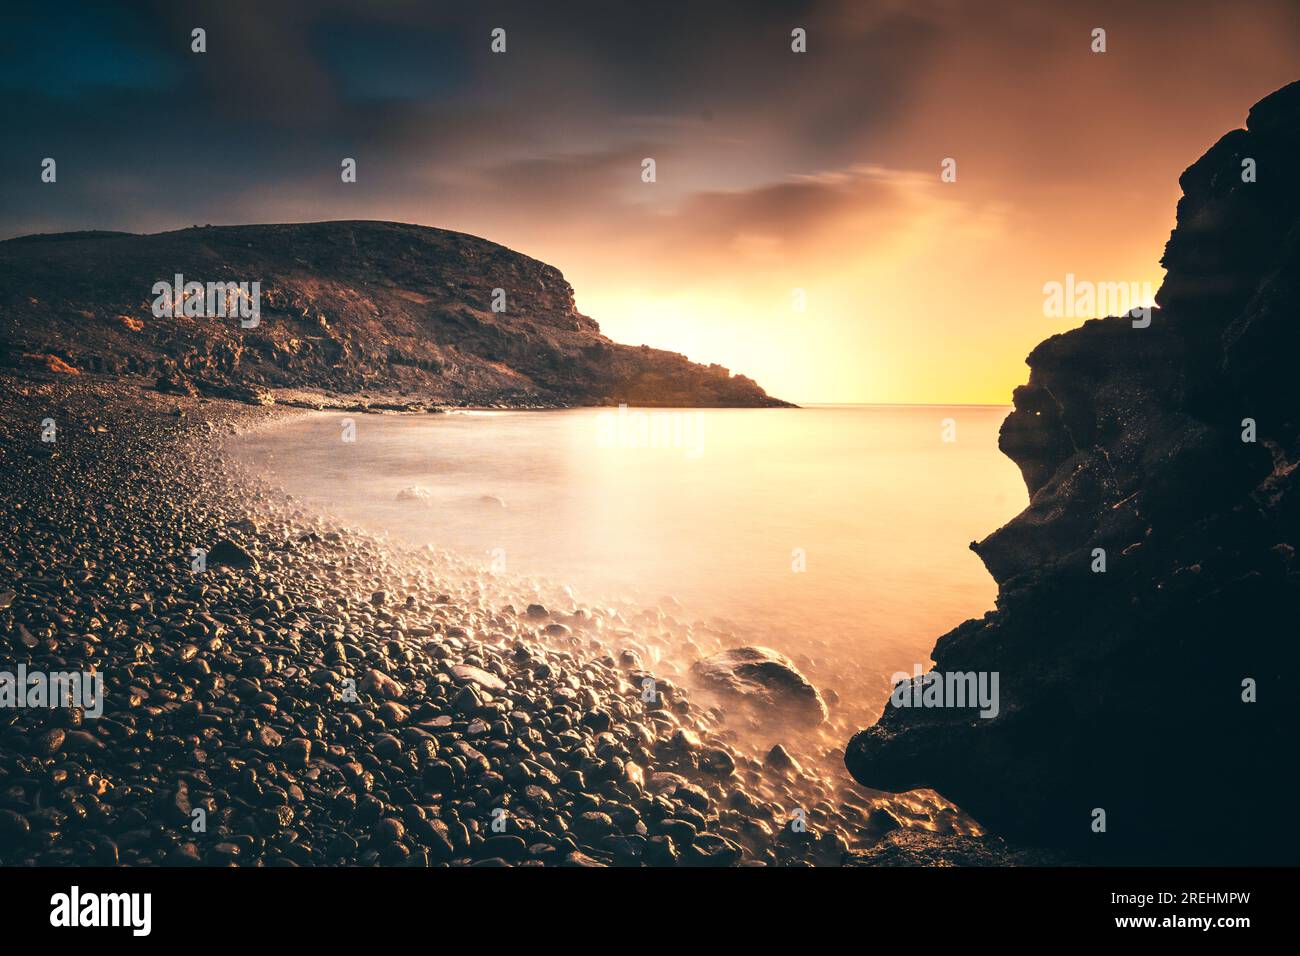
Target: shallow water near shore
(837,532)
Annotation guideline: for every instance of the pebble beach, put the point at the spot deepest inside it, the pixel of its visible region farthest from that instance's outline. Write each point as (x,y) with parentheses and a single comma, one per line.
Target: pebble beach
(311,695)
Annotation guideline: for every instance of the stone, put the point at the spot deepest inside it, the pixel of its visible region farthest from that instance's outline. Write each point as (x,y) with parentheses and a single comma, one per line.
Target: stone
(381,685)
(388,830)
(763,679)
(226,552)
(297,752)
(467,673)
(779,759)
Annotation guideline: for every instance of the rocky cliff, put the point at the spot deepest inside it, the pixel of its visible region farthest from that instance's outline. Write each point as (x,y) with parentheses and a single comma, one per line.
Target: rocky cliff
(345,307)
(1161,690)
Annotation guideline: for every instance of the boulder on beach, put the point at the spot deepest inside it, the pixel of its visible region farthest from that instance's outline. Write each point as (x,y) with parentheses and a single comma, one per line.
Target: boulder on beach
(227,553)
(764,679)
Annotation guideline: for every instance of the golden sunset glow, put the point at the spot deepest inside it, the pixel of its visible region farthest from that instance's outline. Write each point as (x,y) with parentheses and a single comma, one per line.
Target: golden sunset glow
(686,435)
(775,171)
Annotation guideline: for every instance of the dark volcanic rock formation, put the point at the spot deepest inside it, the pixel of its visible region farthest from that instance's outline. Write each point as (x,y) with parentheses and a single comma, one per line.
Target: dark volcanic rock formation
(346,306)
(1123,690)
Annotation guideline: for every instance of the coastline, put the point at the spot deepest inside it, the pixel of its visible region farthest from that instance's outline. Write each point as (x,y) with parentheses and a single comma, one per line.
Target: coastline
(225,690)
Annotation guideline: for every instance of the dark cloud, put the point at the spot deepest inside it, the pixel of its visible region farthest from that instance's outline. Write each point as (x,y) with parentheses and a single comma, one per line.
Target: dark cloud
(149,135)
(413,92)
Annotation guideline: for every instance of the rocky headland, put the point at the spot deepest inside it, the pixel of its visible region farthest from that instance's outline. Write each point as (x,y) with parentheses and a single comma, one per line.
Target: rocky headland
(409,314)
(1162,690)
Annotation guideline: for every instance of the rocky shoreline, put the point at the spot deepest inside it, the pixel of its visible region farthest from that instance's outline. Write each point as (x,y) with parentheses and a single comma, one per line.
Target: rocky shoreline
(427,316)
(316,696)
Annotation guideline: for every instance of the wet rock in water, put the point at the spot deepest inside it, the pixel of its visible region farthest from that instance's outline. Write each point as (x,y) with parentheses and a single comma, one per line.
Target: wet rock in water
(664,782)
(778,758)
(763,679)
(685,741)
(717,762)
(416,494)
(634,774)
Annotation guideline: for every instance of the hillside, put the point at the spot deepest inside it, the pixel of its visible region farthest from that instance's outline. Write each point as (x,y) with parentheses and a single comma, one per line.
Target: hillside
(345,307)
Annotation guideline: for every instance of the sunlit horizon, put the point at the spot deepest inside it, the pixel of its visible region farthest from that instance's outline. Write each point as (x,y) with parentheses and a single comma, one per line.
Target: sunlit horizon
(818,172)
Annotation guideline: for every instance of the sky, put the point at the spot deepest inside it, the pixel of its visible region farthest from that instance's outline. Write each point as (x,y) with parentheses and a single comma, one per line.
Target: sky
(798,229)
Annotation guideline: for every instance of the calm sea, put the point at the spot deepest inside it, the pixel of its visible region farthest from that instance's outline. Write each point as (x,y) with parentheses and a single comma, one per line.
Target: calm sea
(847,525)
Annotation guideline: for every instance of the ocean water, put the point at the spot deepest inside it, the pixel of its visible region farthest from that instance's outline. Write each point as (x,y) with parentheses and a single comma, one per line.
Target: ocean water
(837,532)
